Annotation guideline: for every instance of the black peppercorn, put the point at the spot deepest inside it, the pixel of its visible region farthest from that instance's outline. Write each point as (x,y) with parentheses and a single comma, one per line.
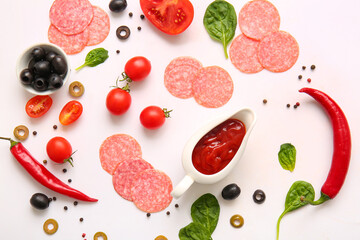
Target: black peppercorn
(64,170)
(69,180)
(65,208)
(76,203)
(176,205)
(81,219)
(54,198)
(167,213)
(45,161)
(130,14)
(264,101)
(142,16)
(312,67)
(148,214)
(288,105)
(303,67)
(300,77)
(34,133)
(55,127)
(117,51)
(139,28)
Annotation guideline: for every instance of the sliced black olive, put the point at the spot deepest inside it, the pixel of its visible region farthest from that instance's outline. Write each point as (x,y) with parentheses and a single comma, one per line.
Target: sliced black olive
(123,32)
(117,5)
(26,76)
(231,191)
(31,64)
(42,68)
(50,56)
(259,196)
(38,53)
(39,201)
(55,81)
(40,84)
(59,65)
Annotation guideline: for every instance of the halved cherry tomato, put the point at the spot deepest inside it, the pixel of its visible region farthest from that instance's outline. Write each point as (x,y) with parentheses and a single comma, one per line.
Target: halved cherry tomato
(170,16)
(59,150)
(38,106)
(153,117)
(70,112)
(137,68)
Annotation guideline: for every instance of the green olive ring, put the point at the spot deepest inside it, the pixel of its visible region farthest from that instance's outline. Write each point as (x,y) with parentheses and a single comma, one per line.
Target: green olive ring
(100,234)
(74,86)
(161,237)
(48,222)
(21,129)
(237,221)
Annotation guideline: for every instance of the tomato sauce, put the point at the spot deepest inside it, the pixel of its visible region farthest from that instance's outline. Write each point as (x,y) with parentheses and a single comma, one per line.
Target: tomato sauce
(215,149)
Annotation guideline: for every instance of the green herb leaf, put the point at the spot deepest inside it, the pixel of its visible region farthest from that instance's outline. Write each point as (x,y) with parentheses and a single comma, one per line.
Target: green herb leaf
(194,231)
(287,156)
(205,210)
(293,201)
(95,57)
(220,22)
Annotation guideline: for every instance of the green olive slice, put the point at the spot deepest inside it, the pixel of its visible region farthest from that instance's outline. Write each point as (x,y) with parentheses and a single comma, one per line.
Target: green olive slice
(21,132)
(237,221)
(49,222)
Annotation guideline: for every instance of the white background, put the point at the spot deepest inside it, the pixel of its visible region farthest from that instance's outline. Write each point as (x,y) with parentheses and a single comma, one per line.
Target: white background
(328,35)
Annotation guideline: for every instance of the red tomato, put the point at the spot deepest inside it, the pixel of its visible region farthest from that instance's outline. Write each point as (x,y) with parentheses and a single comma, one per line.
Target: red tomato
(137,68)
(38,106)
(59,150)
(169,16)
(70,112)
(118,101)
(153,117)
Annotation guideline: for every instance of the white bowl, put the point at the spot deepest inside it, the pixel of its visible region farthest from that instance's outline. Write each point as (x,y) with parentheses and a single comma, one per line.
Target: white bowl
(24,59)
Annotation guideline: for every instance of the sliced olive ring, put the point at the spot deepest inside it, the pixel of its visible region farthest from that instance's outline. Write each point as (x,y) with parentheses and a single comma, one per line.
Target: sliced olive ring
(76,89)
(161,237)
(259,196)
(52,222)
(21,132)
(100,234)
(237,221)
(120,32)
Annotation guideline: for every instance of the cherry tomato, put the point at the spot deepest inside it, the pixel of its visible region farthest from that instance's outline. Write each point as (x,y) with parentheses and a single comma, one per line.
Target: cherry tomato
(171,17)
(118,101)
(59,150)
(153,117)
(38,106)
(137,68)
(70,112)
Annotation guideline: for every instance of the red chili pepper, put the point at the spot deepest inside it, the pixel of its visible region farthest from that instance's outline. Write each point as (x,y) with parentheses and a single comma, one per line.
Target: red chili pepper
(41,174)
(342,145)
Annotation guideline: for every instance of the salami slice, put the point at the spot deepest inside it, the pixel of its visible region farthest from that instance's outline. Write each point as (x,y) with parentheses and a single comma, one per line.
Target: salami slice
(124,175)
(243,54)
(71,16)
(116,149)
(151,190)
(278,51)
(99,27)
(180,75)
(258,18)
(71,44)
(213,87)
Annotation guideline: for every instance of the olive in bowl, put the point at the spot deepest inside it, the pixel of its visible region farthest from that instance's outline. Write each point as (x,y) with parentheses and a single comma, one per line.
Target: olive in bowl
(42,69)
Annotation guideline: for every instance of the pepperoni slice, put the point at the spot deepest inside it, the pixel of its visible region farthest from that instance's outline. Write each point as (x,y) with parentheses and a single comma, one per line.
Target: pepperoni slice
(151,190)
(99,27)
(116,149)
(278,51)
(213,87)
(124,175)
(258,18)
(71,16)
(71,44)
(180,75)
(243,54)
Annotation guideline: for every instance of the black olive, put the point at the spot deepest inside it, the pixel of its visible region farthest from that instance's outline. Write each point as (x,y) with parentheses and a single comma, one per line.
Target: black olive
(50,56)
(40,84)
(231,191)
(117,5)
(259,196)
(31,64)
(123,32)
(42,68)
(59,64)
(26,76)
(55,81)
(38,53)
(39,201)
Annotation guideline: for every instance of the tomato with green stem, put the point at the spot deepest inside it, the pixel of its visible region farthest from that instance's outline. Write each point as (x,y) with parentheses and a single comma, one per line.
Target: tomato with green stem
(118,100)
(59,150)
(38,106)
(136,69)
(153,117)
(70,112)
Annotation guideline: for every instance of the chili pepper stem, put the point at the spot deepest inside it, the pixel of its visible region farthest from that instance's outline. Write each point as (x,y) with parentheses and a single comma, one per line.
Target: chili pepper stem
(323,198)
(12,142)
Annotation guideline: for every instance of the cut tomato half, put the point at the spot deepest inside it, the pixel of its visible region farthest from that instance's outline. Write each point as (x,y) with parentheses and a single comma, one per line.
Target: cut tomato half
(38,106)
(169,16)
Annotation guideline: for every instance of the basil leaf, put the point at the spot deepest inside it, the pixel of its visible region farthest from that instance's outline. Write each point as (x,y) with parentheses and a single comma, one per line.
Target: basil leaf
(205,210)
(299,190)
(95,57)
(194,231)
(287,156)
(220,22)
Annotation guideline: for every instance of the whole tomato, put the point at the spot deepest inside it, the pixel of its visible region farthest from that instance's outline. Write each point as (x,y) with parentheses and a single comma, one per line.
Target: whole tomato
(118,101)
(137,68)
(153,117)
(59,150)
